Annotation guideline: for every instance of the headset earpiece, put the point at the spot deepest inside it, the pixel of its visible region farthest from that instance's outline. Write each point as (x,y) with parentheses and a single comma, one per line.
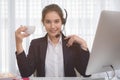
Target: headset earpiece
(64,21)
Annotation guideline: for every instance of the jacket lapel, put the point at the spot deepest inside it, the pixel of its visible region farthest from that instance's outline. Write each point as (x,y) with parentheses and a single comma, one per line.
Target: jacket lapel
(65,51)
(43,49)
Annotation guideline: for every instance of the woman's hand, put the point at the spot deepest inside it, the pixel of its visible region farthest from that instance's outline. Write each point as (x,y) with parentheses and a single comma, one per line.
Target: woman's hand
(19,35)
(76,39)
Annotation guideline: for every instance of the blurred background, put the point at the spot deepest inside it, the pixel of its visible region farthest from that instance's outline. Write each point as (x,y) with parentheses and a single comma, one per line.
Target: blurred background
(83,17)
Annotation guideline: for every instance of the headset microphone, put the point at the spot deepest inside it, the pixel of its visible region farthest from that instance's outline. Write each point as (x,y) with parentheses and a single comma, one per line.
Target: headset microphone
(57,36)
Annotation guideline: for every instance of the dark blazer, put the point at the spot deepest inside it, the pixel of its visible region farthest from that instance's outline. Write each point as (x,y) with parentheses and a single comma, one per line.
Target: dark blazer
(73,57)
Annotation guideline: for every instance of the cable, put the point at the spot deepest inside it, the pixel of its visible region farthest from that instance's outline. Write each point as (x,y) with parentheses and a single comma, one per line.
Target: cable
(113,74)
(113,70)
(108,76)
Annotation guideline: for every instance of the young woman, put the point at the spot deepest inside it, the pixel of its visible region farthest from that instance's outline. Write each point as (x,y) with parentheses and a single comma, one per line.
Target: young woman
(53,55)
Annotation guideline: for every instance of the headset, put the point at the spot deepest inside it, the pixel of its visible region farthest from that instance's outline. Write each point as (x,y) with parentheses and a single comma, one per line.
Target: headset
(63,22)
(65,19)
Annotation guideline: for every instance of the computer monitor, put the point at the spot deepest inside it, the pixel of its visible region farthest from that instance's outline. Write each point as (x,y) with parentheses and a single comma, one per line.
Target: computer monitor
(106,46)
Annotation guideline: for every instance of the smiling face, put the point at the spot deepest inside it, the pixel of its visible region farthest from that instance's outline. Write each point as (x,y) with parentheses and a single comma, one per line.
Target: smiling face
(52,19)
(52,23)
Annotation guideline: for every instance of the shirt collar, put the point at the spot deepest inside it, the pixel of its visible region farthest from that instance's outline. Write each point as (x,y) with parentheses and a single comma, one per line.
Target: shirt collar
(59,42)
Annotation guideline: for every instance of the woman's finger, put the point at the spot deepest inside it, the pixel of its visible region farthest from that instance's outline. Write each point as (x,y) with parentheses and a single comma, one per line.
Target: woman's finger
(21,29)
(70,42)
(26,35)
(67,37)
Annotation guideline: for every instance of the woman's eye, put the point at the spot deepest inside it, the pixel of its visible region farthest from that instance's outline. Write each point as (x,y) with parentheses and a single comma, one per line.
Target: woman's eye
(56,21)
(47,21)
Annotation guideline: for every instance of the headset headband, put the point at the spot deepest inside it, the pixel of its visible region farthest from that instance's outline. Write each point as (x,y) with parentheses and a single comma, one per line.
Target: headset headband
(66,16)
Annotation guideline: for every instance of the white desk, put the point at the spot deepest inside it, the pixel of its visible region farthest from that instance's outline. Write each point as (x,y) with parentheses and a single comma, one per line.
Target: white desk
(63,78)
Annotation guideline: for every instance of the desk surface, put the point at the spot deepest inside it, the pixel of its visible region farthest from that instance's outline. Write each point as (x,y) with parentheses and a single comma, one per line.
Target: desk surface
(57,78)
(64,78)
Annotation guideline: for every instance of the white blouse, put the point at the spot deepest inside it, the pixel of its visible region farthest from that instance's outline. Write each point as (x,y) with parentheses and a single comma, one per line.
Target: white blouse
(54,66)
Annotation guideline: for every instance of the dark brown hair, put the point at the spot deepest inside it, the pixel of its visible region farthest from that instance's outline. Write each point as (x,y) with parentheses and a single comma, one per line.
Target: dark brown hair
(53,7)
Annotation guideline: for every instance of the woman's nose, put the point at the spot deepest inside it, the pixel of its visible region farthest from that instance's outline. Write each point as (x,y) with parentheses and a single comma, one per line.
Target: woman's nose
(52,25)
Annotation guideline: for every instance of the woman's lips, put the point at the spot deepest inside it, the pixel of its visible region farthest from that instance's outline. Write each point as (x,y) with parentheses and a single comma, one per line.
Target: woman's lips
(53,31)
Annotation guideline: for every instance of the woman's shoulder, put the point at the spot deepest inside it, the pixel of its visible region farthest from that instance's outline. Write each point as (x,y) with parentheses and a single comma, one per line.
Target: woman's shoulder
(39,40)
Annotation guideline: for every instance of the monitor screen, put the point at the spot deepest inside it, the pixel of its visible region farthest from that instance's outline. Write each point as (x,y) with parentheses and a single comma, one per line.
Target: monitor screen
(106,46)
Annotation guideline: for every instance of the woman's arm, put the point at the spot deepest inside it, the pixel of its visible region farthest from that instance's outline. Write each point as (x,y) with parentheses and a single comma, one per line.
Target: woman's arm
(82,53)
(19,36)
(26,64)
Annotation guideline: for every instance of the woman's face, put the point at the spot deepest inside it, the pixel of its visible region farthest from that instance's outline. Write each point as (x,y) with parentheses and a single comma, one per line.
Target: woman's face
(52,23)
